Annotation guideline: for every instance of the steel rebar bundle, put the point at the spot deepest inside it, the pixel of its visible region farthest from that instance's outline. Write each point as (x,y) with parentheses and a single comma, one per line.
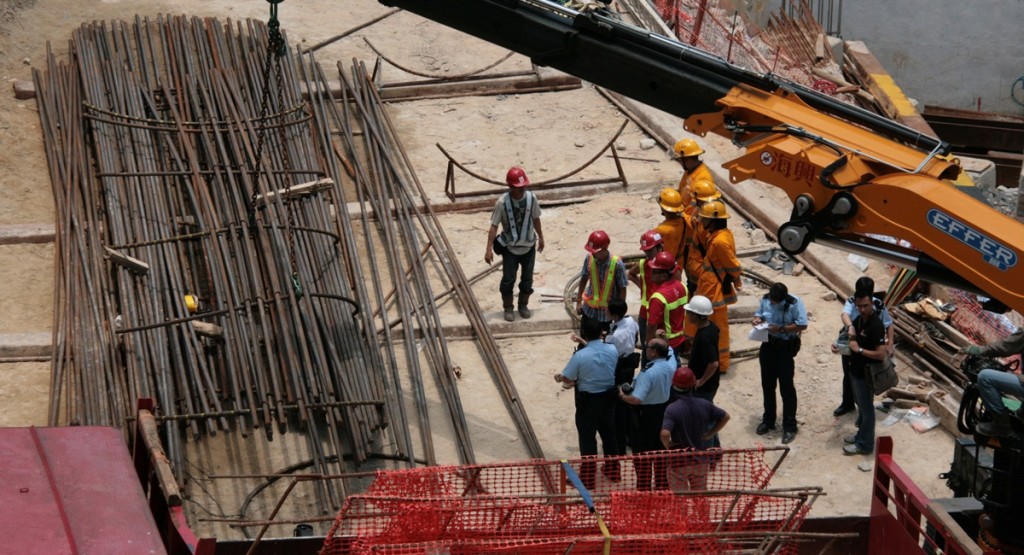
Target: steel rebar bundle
(159,153)
(207,257)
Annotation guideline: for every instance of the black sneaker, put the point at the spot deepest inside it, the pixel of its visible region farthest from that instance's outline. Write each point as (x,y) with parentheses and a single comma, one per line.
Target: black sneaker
(841,410)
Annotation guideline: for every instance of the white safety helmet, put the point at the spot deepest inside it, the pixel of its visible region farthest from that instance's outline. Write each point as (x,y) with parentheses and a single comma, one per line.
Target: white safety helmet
(699,304)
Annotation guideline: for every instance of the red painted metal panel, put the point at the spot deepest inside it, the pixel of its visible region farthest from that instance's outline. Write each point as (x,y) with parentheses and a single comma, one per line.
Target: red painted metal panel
(900,512)
(72,491)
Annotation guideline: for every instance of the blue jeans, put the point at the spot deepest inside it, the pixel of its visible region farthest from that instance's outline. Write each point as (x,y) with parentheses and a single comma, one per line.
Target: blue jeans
(992,384)
(510,263)
(864,397)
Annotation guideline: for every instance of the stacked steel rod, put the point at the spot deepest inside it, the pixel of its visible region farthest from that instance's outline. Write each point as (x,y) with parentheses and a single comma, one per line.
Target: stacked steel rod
(412,208)
(160,151)
(185,165)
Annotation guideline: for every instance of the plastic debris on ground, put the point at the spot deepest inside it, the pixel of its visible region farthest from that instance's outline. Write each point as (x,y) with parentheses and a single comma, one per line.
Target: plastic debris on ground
(921,419)
(895,416)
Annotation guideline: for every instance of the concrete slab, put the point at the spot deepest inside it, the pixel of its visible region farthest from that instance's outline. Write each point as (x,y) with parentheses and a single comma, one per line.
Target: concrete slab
(22,345)
(15,234)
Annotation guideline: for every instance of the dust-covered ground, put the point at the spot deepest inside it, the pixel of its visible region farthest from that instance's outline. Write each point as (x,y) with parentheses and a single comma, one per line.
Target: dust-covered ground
(548,134)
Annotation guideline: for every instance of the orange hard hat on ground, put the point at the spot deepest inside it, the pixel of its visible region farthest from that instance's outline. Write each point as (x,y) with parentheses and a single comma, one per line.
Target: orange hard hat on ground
(598,241)
(650,239)
(516,177)
(664,261)
(684,378)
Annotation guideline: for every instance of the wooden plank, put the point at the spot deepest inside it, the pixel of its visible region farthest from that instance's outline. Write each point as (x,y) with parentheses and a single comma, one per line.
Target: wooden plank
(133,264)
(18,234)
(540,80)
(890,97)
(158,458)
(206,329)
(296,190)
(25,345)
(24,90)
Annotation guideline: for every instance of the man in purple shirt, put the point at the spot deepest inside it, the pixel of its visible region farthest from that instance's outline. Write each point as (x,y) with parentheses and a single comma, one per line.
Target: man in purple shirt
(689,423)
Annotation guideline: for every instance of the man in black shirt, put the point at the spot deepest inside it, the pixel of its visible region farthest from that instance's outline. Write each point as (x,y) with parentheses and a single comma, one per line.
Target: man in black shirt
(704,353)
(867,346)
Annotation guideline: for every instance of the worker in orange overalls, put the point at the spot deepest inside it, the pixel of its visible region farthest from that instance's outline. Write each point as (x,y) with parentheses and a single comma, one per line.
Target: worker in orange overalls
(651,243)
(688,152)
(720,278)
(703,191)
(676,228)
(602,278)
(665,314)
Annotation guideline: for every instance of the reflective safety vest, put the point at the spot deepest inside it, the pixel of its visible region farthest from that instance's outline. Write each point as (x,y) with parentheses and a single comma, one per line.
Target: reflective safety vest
(670,307)
(599,296)
(645,278)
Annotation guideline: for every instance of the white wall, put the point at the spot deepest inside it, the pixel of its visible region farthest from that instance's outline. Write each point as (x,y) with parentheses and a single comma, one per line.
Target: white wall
(945,52)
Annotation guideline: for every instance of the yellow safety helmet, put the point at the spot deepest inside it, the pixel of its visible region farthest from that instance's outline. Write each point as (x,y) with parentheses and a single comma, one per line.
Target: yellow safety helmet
(688,147)
(191,303)
(670,200)
(714,210)
(705,191)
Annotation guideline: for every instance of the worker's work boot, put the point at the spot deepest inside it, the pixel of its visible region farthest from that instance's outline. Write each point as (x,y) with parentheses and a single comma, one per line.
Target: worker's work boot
(506,302)
(524,299)
(998,427)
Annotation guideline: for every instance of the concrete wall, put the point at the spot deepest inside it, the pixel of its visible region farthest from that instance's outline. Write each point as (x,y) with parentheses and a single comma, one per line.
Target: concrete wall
(945,52)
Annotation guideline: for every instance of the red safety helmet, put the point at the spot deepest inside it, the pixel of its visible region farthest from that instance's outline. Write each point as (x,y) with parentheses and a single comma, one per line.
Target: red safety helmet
(516,177)
(684,378)
(664,261)
(598,241)
(650,239)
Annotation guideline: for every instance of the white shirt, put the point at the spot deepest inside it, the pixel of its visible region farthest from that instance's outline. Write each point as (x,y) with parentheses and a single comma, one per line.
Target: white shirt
(623,335)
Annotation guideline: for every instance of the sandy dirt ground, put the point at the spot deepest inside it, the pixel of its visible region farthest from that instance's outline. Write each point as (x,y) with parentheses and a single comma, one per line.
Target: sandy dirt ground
(549,134)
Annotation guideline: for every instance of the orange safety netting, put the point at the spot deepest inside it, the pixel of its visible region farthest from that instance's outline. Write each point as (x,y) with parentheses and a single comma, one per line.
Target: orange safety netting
(706,503)
(726,36)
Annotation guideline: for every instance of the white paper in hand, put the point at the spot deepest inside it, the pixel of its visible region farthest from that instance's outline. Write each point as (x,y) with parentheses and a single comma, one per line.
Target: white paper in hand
(759,332)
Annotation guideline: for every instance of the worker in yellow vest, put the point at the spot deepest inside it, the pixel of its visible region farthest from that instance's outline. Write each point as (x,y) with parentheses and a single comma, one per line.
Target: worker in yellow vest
(602,278)
(651,243)
(720,278)
(688,152)
(665,315)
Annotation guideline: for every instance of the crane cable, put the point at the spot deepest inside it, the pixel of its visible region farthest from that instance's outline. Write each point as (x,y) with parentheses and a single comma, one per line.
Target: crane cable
(276,49)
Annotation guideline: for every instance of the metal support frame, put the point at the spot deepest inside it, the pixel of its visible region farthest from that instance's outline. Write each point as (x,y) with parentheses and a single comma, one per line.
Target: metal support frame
(554,183)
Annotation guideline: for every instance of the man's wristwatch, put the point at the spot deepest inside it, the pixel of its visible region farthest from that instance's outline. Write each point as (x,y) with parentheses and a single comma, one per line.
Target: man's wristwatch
(860,350)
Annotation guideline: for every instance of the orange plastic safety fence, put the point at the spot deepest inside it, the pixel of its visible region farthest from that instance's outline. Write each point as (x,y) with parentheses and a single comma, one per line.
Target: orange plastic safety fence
(700,503)
(726,469)
(724,35)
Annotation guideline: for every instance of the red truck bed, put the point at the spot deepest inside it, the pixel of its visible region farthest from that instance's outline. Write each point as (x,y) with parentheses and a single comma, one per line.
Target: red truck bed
(72,490)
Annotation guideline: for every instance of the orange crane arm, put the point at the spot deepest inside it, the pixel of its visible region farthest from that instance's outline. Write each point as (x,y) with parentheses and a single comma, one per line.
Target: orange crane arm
(848,183)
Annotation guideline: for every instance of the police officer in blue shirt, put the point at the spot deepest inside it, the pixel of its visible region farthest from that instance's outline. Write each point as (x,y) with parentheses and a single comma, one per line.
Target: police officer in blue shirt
(786,318)
(650,393)
(592,371)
